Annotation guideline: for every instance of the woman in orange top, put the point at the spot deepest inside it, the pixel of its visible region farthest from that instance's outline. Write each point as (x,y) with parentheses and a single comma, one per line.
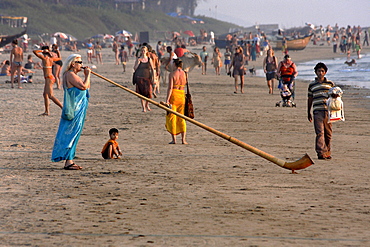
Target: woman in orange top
(47,66)
(287,71)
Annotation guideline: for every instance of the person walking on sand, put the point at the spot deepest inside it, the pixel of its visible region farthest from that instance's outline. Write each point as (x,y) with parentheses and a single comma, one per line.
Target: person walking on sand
(287,72)
(90,51)
(216,60)
(204,57)
(124,57)
(238,68)
(57,65)
(270,64)
(227,56)
(76,100)
(317,97)
(144,69)
(116,52)
(98,54)
(176,99)
(47,64)
(16,60)
(358,49)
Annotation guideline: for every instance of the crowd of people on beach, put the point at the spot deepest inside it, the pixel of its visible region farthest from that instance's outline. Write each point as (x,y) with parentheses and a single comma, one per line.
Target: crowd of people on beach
(150,68)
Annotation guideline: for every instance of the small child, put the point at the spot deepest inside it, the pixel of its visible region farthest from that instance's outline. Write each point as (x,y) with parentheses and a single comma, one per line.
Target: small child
(111,148)
(335,104)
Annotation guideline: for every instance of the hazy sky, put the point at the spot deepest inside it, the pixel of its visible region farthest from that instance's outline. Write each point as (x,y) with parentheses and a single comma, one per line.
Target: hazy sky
(288,13)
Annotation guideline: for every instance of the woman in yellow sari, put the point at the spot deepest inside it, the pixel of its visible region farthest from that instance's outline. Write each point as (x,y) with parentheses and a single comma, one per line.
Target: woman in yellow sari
(176,98)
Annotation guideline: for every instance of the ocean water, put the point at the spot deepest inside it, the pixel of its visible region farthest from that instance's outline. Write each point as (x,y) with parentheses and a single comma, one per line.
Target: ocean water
(357,75)
(340,73)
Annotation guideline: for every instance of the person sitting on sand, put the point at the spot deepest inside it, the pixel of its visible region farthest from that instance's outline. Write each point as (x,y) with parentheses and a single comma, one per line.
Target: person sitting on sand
(31,64)
(5,68)
(47,64)
(111,148)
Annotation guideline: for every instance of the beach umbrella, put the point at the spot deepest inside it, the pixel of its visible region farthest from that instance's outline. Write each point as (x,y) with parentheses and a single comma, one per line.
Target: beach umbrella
(60,35)
(71,38)
(302,163)
(177,33)
(108,36)
(98,36)
(123,33)
(189,32)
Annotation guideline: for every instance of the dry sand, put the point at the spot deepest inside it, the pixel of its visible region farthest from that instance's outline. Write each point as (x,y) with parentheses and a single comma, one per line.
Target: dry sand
(207,193)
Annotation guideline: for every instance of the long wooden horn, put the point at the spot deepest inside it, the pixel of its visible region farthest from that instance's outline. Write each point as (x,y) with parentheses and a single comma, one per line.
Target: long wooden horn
(302,163)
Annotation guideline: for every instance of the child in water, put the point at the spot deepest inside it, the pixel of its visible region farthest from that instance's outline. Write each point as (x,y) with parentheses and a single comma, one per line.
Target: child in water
(111,148)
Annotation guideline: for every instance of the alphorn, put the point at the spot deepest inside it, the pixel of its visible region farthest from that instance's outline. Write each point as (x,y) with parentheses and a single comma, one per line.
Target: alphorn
(302,163)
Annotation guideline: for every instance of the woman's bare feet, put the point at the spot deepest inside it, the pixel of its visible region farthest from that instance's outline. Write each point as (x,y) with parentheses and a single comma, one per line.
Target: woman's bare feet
(44,114)
(172,142)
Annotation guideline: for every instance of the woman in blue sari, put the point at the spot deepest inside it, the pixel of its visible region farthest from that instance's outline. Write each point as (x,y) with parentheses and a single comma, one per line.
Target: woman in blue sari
(76,99)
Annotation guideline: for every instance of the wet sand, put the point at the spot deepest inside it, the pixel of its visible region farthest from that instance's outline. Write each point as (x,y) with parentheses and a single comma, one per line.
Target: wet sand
(208,193)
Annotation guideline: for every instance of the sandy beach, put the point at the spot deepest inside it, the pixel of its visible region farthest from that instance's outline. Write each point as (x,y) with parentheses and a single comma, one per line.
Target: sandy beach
(208,193)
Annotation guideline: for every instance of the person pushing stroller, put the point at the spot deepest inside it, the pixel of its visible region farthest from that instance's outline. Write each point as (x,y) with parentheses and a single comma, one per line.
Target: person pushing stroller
(287,71)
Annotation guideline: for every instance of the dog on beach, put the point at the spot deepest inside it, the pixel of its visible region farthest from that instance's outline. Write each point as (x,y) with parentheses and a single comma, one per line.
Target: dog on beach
(350,63)
(252,71)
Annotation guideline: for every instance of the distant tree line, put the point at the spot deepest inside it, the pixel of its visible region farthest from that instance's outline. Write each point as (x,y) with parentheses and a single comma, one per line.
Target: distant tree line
(186,7)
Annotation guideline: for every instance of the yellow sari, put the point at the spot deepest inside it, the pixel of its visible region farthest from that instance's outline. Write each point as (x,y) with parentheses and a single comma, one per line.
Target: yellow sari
(174,124)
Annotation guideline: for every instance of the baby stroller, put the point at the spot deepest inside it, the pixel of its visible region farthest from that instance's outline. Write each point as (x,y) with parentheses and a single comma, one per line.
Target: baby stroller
(286,86)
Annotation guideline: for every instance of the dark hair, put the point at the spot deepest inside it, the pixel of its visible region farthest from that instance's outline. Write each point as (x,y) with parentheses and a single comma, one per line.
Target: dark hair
(321,65)
(15,41)
(45,47)
(178,63)
(122,47)
(169,48)
(113,130)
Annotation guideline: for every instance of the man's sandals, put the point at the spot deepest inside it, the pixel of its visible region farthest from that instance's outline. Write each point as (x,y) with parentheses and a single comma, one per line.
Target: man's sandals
(72,166)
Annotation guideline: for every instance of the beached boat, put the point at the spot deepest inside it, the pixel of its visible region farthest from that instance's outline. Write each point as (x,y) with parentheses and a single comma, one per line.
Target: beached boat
(293,44)
(6,39)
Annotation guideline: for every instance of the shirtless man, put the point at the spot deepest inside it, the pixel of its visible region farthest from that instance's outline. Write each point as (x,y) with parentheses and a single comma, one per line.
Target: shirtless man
(16,59)
(47,64)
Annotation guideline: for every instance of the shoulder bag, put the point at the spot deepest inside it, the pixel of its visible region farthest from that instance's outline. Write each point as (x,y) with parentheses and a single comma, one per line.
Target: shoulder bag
(189,108)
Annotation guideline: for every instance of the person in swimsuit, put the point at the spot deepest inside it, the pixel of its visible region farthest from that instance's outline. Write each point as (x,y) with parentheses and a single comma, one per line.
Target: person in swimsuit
(116,52)
(16,59)
(99,57)
(5,68)
(239,69)
(47,63)
(90,51)
(57,66)
(176,99)
(269,66)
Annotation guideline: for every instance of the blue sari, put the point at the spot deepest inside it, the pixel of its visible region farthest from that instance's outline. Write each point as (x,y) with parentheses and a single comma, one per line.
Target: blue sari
(69,131)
